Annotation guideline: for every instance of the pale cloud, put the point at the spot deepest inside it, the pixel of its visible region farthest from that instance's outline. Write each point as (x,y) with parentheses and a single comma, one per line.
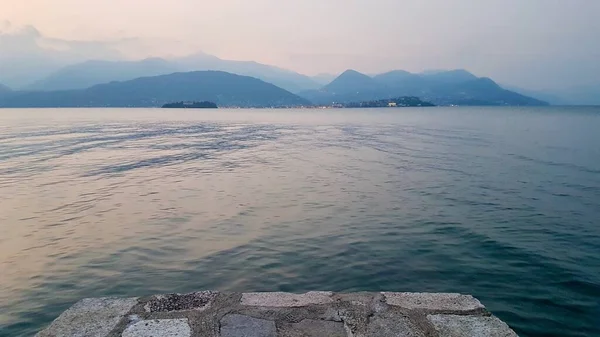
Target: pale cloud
(533,43)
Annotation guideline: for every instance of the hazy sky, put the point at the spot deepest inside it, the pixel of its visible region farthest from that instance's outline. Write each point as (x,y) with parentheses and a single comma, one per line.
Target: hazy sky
(532,43)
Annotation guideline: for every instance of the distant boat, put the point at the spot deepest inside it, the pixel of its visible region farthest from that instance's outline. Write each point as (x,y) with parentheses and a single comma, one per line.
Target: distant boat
(190,105)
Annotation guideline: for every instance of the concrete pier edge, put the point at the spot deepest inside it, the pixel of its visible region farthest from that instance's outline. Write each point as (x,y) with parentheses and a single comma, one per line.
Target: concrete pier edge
(278,314)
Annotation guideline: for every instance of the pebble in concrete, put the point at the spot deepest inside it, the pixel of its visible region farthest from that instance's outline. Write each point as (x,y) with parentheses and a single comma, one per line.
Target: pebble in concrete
(90,317)
(159,328)
(471,326)
(436,301)
(241,325)
(178,302)
(286,299)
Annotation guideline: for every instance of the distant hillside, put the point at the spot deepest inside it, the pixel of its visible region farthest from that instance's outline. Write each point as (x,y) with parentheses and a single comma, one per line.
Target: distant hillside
(350,81)
(90,73)
(584,95)
(399,102)
(542,95)
(4,90)
(283,78)
(223,88)
(455,87)
(323,78)
(190,105)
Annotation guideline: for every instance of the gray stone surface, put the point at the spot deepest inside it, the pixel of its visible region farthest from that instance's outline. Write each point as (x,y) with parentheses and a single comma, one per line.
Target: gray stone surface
(286,299)
(214,314)
(392,326)
(179,302)
(433,301)
(91,317)
(245,326)
(316,328)
(159,328)
(470,326)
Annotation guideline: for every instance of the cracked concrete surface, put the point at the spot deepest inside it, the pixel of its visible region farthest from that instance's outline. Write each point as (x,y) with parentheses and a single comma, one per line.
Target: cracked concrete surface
(314,314)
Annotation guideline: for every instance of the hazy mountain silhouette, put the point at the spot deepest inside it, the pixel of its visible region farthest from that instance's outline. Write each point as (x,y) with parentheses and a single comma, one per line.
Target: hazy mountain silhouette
(579,95)
(543,95)
(439,87)
(286,79)
(351,81)
(323,78)
(223,88)
(4,88)
(584,95)
(5,91)
(87,74)
(450,76)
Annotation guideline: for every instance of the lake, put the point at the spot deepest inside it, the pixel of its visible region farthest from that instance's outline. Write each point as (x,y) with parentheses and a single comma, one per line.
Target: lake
(501,203)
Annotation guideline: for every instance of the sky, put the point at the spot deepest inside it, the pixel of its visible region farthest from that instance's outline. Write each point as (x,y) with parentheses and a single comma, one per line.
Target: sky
(535,44)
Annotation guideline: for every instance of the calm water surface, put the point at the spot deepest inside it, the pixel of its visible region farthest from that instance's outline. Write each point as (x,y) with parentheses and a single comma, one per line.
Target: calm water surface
(501,203)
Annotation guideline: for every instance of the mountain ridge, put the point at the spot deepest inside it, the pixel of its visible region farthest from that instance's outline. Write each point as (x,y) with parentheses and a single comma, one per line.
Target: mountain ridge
(89,73)
(225,89)
(453,87)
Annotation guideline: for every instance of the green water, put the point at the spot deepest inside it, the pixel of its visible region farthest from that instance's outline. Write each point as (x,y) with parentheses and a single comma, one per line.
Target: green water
(501,203)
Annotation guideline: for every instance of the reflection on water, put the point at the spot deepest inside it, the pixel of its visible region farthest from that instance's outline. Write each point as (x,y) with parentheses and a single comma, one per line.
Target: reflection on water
(499,203)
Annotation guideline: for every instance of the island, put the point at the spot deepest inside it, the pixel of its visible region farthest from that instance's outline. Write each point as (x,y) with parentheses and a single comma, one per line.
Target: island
(407,101)
(190,105)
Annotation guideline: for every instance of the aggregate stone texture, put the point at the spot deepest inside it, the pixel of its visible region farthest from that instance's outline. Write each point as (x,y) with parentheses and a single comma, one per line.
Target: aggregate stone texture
(179,302)
(159,328)
(313,314)
(286,299)
(314,328)
(90,317)
(380,327)
(246,326)
(433,301)
(471,326)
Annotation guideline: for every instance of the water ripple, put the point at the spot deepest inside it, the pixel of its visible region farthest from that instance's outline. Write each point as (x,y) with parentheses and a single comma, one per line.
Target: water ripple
(499,203)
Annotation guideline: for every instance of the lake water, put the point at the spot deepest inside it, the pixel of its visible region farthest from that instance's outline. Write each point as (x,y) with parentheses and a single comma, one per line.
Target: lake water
(501,203)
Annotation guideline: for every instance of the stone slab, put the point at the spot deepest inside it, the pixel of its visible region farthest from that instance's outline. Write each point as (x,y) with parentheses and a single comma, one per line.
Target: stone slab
(159,328)
(278,299)
(470,326)
(433,301)
(392,327)
(180,302)
(234,325)
(213,314)
(318,328)
(91,317)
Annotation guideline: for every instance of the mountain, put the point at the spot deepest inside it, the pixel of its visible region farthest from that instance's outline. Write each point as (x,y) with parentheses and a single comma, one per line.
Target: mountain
(350,86)
(481,91)
(5,91)
(582,95)
(323,78)
(223,88)
(449,77)
(4,88)
(542,95)
(389,103)
(350,81)
(86,74)
(454,87)
(89,73)
(282,78)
